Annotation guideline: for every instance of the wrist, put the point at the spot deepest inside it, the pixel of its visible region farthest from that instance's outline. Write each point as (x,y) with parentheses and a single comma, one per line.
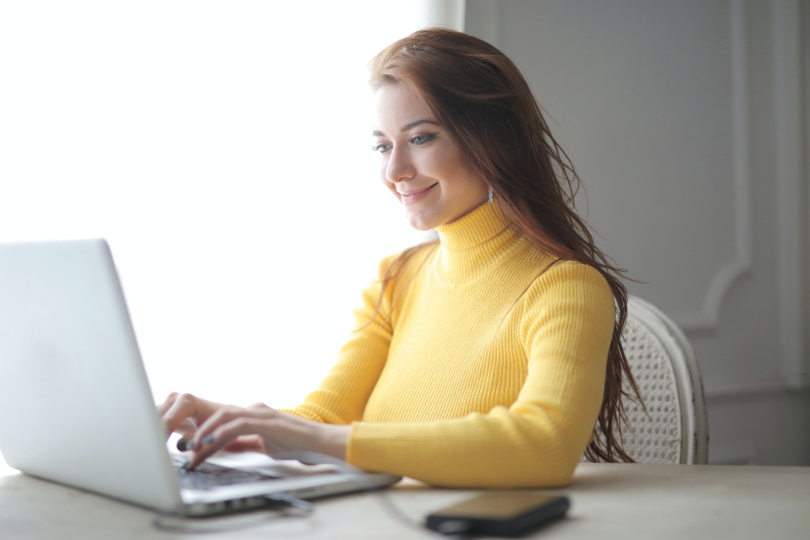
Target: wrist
(334,440)
(303,434)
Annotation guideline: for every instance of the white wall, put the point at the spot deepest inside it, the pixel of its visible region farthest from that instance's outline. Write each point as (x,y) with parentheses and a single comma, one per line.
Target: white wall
(223,149)
(684,121)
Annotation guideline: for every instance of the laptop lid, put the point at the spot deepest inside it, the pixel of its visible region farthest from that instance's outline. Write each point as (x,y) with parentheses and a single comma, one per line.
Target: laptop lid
(75,403)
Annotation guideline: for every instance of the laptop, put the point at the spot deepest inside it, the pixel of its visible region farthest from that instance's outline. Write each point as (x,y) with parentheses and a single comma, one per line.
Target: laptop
(75,402)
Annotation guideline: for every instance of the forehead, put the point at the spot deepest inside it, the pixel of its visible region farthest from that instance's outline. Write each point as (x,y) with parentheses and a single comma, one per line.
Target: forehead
(396,105)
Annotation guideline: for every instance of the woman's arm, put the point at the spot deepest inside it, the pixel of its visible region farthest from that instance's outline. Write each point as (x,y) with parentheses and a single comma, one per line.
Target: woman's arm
(566,326)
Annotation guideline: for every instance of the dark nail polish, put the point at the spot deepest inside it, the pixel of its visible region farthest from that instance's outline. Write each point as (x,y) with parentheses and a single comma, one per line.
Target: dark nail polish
(184,445)
(184,465)
(208,440)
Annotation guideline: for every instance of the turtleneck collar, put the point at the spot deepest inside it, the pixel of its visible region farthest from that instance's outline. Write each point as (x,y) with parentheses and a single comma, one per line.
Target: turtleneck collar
(473,229)
(473,243)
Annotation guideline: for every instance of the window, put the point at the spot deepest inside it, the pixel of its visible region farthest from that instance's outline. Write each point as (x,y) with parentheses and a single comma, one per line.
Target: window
(223,150)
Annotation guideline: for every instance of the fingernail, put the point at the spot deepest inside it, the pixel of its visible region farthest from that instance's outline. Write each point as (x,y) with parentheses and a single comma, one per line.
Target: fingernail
(185,464)
(208,440)
(184,445)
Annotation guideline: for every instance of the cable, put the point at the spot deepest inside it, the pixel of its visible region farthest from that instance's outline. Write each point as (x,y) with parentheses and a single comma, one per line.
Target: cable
(397,514)
(305,507)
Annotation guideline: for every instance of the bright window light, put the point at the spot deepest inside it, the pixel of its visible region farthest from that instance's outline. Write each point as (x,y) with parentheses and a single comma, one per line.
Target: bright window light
(223,149)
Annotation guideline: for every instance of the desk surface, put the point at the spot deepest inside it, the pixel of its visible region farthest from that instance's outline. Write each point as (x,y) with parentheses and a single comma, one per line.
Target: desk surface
(608,501)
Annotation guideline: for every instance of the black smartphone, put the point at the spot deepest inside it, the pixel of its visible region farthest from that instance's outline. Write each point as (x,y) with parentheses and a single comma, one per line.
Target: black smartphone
(499,513)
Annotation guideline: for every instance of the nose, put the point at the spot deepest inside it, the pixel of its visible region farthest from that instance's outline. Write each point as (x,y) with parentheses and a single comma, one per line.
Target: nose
(399,166)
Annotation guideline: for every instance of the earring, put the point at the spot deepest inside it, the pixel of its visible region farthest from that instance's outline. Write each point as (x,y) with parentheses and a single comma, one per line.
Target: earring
(491,195)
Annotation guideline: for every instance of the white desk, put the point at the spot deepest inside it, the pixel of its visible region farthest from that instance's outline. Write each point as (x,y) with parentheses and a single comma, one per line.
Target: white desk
(608,501)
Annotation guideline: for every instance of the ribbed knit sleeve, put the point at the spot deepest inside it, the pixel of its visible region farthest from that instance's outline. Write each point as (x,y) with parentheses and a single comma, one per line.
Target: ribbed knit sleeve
(565,321)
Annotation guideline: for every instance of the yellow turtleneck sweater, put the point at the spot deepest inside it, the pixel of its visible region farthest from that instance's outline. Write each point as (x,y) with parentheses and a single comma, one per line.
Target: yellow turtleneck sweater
(485,366)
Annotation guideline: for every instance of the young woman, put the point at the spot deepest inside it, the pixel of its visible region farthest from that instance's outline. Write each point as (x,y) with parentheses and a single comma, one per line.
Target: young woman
(491,357)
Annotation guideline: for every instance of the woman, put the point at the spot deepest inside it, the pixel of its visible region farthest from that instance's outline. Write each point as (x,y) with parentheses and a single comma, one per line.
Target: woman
(491,357)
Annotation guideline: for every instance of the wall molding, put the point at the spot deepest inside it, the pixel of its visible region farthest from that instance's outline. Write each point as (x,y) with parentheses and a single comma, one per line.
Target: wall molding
(707,316)
(787,105)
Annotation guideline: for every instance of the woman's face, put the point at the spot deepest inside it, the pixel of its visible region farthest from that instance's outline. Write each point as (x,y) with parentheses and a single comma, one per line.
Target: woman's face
(421,163)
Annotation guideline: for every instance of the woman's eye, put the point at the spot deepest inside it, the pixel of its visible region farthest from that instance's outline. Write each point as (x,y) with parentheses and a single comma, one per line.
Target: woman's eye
(381,148)
(421,139)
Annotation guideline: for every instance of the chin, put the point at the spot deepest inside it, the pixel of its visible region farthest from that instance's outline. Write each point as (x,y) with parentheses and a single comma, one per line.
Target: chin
(422,227)
(421,224)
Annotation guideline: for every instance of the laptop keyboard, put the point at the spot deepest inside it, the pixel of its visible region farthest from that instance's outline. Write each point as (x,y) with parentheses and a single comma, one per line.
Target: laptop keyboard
(208,475)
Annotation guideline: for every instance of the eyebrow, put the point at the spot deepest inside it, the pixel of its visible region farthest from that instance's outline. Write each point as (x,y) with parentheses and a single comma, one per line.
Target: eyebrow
(408,126)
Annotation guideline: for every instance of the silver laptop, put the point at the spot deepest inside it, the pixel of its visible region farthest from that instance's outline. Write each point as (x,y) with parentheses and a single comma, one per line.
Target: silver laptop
(75,403)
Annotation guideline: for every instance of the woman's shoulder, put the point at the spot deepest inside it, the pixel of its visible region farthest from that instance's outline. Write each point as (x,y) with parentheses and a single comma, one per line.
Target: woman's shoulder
(568,295)
(572,282)
(562,269)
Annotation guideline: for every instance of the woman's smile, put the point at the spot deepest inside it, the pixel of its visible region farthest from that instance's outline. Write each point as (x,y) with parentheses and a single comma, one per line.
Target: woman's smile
(413,197)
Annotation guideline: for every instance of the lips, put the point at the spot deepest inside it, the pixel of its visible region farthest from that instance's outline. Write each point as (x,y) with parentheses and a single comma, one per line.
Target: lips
(412,197)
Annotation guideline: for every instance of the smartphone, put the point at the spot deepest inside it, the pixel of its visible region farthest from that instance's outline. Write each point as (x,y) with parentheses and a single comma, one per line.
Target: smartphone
(499,513)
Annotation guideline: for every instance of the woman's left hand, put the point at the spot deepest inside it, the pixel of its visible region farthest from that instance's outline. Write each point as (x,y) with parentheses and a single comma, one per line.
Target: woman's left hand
(262,428)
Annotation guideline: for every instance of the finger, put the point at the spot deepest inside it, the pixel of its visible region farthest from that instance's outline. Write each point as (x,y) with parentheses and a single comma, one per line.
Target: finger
(186,429)
(163,407)
(183,409)
(167,403)
(222,429)
(246,443)
(205,431)
(224,435)
(227,413)
(211,443)
(258,406)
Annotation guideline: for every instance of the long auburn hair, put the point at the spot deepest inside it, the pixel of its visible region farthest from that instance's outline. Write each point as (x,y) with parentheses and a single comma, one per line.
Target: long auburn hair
(481,97)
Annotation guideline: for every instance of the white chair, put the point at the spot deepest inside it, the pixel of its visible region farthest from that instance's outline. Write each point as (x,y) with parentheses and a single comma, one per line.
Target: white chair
(675,428)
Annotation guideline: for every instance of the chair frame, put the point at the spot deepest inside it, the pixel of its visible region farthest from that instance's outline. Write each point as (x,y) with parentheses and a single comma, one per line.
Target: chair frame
(692,403)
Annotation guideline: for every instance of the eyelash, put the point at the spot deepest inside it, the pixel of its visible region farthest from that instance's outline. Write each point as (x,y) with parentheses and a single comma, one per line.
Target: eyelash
(416,139)
(381,148)
(425,137)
